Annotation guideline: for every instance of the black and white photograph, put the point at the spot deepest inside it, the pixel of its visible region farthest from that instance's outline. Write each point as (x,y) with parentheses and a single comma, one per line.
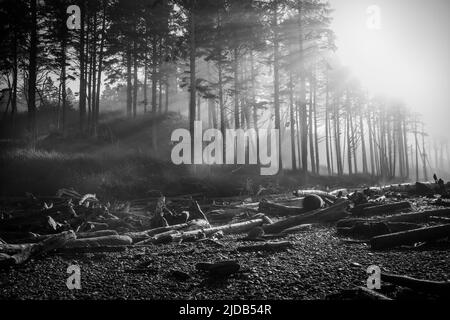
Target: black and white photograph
(202,151)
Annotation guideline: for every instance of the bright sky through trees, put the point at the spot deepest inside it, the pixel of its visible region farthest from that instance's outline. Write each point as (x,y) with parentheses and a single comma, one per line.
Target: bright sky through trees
(408,58)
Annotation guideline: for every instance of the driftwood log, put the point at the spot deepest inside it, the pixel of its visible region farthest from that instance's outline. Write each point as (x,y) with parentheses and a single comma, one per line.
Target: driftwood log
(362,228)
(175,235)
(330,214)
(419,216)
(308,203)
(143,235)
(320,193)
(436,287)
(275,209)
(113,240)
(384,209)
(410,237)
(14,254)
(297,229)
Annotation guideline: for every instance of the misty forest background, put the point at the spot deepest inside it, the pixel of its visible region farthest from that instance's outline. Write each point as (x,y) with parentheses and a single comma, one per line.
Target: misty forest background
(94,108)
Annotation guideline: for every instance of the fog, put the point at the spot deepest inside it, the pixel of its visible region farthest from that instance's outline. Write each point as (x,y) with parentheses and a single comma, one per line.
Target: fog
(408,58)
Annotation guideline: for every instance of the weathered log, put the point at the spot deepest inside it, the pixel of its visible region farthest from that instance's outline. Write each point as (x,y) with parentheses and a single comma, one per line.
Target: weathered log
(308,203)
(174,235)
(436,287)
(19,237)
(143,235)
(95,234)
(410,237)
(358,209)
(37,223)
(79,250)
(419,216)
(114,240)
(225,214)
(333,213)
(296,229)
(268,246)
(300,193)
(361,228)
(54,242)
(271,208)
(440,219)
(385,208)
(14,254)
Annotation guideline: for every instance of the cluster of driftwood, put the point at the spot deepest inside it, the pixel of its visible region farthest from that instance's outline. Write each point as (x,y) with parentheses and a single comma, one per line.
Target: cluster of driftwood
(386,222)
(70,222)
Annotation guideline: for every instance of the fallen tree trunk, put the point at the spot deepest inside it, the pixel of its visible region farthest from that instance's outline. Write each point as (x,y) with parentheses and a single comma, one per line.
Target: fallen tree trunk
(361,228)
(95,234)
(174,235)
(410,237)
(419,216)
(384,209)
(358,209)
(79,250)
(308,203)
(37,223)
(437,287)
(333,213)
(114,240)
(320,193)
(271,208)
(22,252)
(143,235)
(296,229)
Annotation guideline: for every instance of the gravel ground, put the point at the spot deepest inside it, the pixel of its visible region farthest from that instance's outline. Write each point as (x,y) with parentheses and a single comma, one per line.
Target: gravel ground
(318,264)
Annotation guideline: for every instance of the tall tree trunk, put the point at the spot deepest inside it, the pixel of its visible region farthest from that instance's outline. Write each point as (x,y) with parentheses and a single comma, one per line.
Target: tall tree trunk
(302,93)
(32,74)
(316,136)
(135,78)
(221,107)
(424,154)
(154,73)
(276,81)
(327,123)
(94,75)
(253,99)
(129,84)
(337,135)
(236,87)
(363,144)
(371,137)
(311,127)
(292,120)
(63,83)
(417,149)
(405,138)
(100,68)
(82,94)
(353,144)
(349,144)
(167,97)
(145,83)
(193,80)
